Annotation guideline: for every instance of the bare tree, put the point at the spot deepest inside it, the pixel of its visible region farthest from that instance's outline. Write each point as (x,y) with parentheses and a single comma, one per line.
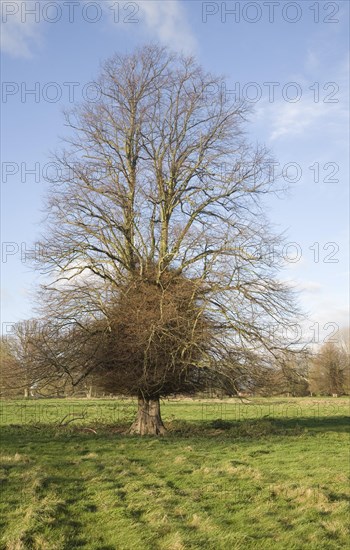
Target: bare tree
(343,340)
(11,377)
(330,370)
(158,194)
(19,366)
(344,345)
(26,366)
(327,373)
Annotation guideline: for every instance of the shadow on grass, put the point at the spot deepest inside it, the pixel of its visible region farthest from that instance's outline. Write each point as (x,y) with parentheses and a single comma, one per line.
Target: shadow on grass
(252,428)
(263,427)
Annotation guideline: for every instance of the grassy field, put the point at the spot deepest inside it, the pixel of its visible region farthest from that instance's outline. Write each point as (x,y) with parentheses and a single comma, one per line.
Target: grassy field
(271,473)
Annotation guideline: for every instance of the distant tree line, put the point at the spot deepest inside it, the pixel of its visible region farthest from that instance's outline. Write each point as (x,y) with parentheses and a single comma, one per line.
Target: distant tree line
(32,358)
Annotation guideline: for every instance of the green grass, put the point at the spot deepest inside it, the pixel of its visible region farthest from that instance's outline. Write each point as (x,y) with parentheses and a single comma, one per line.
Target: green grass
(272,473)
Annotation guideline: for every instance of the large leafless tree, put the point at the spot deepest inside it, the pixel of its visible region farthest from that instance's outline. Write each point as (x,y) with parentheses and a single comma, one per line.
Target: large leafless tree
(157,237)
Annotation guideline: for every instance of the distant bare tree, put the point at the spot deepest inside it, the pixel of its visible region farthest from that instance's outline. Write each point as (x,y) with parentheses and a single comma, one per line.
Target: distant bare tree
(329,371)
(157,240)
(21,369)
(19,365)
(11,378)
(343,340)
(344,345)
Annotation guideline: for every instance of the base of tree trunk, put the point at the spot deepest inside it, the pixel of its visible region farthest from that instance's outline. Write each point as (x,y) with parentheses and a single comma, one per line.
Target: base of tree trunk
(148,420)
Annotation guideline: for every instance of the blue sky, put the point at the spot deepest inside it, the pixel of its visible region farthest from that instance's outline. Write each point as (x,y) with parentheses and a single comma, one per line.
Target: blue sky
(290,59)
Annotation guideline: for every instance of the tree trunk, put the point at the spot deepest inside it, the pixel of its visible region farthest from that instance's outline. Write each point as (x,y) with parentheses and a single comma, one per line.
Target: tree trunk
(148,420)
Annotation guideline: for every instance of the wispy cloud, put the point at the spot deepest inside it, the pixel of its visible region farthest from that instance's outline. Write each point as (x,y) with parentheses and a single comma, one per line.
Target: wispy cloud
(168,22)
(311,287)
(321,103)
(19,34)
(293,119)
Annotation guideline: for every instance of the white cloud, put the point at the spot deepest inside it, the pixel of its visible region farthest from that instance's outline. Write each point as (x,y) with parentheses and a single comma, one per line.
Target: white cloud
(312,62)
(304,286)
(167,21)
(19,32)
(293,119)
(310,103)
(311,287)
